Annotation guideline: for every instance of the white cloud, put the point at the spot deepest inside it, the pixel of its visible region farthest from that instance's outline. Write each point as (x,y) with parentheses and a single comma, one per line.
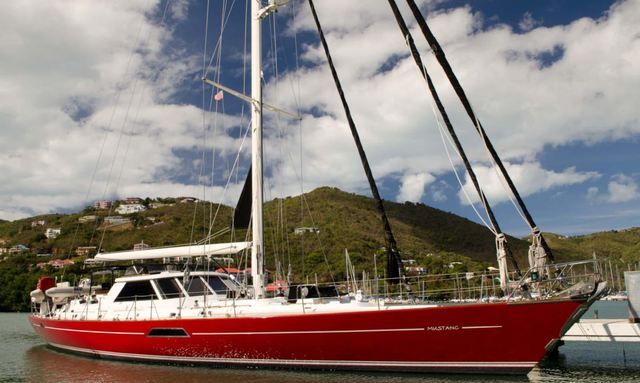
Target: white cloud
(59,78)
(545,87)
(528,22)
(528,177)
(439,191)
(412,186)
(75,87)
(622,189)
(592,192)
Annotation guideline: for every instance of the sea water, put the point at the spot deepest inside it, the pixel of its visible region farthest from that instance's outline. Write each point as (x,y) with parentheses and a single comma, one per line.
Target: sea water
(25,358)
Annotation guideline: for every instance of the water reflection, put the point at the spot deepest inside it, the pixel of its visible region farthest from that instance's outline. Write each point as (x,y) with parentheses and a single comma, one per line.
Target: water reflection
(44,364)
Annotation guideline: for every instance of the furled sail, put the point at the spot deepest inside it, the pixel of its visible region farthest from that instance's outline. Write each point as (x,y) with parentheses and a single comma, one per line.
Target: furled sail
(175,251)
(500,237)
(242,214)
(395,269)
(438,52)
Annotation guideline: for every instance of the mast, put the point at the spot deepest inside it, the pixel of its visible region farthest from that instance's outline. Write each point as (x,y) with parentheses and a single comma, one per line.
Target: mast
(257,248)
(258,12)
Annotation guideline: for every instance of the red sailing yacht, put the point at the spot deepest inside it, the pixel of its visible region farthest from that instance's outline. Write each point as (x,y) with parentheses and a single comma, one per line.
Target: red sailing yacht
(169,314)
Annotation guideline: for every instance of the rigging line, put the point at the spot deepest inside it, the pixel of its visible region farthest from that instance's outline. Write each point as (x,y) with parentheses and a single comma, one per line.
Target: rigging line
(242,105)
(452,134)
(273,22)
(217,53)
(118,143)
(118,93)
(200,179)
(122,129)
(303,202)
(443,113)
(242,117)
(394,259)
(204,90)
(298,110)
(218,104)
(282,135)
(226,186)
(324,253)
(464,191)
(442,60)
(223,26)
(204,49)
(502,180)
(272,228)
(126,151)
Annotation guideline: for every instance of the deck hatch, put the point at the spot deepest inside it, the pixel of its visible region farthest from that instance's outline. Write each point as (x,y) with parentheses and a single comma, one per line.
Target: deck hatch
(167,332)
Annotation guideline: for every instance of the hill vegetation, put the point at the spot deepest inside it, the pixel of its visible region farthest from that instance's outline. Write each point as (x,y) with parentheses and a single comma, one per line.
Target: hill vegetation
(335,220)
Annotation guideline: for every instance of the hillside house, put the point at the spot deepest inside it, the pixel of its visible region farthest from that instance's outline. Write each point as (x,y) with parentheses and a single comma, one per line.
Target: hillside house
(454,264)
(4,250)
(116,220)
(130,208)
(40,222)
(156,205)
(302,230)
(133,200)
(20,248)
(102,205)
(85,251)
(87,218)
(189,200)
(412,267)
(56,263)
(52,233)
(140,246)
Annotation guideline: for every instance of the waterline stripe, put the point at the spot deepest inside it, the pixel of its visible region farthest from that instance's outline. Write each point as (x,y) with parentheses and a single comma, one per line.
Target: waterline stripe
(310,332)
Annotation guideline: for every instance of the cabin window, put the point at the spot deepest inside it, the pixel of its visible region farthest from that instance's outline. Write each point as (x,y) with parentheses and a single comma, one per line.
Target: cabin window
(136,290)
(217,284)
(195,286)
(168,288)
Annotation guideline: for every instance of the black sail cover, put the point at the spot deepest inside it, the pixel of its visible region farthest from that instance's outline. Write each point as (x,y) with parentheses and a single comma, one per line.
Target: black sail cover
(242,214)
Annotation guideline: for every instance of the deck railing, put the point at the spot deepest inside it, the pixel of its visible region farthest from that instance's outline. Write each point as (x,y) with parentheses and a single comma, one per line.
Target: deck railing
(567,279)
(474,286)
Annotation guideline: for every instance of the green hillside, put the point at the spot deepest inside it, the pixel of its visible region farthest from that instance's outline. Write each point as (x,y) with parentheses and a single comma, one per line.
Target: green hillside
(622,246)
(349,221)
(433,238)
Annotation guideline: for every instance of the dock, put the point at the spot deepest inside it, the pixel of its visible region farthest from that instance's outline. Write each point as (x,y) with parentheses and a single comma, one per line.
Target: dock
(612,330)
(604,330)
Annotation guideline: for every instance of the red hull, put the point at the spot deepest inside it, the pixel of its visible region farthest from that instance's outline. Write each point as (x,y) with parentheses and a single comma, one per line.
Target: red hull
(493,337)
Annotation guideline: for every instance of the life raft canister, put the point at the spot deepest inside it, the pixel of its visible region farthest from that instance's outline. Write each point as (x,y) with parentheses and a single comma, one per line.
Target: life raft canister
(45,283)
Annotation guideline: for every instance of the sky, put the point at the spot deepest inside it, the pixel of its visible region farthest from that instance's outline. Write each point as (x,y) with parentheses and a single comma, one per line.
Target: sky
(104,100)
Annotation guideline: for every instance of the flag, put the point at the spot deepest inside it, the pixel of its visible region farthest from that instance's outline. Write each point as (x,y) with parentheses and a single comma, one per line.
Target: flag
(219,96)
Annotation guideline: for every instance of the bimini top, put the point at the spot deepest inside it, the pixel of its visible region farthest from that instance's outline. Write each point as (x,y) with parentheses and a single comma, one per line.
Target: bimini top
(175,251)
